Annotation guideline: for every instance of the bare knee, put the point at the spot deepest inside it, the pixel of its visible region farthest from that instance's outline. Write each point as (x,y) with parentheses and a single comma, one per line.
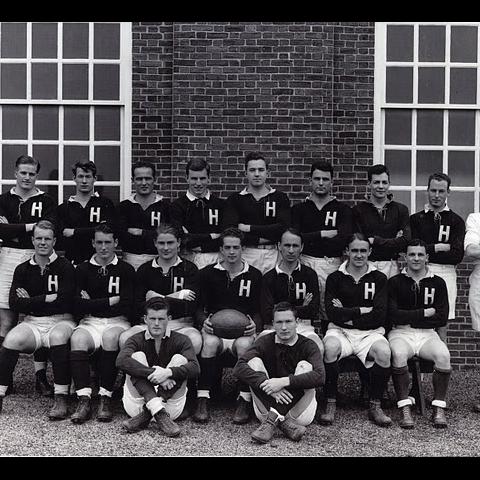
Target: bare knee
(110,339)
(241,345)
(140,357)
(333,349)
(382,354)
(177,360)
(302,367)
(81,340)
(60,336)
(196,338)
(442,360)
(211,345)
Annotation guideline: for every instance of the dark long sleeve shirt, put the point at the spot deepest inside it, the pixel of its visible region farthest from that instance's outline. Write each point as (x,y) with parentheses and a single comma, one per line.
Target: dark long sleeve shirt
(443,227)
(132,215)
(57,277)
(172,343)
(277,286)
(408,299)
(280,361)
(200,217)
(101,283)
(183,275)
(40,206)
(310,221)
(267,217)
(369,291)
(83,220)
(383,226)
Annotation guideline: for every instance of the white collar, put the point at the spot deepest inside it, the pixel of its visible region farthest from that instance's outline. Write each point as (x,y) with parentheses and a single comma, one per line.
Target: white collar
(38,192)
(290,343)
(428,208)
(156,265)
(277,268)
(148,335)
(72,198)
(132,198)
(192,197)
(113,262)
(428,273)
(270,190)
(51,258)
(246,266)
(343,268)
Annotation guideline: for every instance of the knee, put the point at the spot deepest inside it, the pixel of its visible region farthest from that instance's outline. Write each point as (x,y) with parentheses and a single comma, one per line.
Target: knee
(211,345)
(302,367)
(59,336)
(442,360)
(241,345)
(110,339)
(14,340)
(332,348)
(177,360)
(123,338)
(257,364)
(383,355)
(196,338)
(79,340)
(140,357)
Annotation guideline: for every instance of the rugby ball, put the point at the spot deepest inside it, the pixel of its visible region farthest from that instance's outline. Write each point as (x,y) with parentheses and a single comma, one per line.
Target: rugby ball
(229,323)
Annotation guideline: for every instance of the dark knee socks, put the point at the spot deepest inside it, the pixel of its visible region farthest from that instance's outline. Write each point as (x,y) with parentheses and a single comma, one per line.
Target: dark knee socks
(331,379)
(378,381)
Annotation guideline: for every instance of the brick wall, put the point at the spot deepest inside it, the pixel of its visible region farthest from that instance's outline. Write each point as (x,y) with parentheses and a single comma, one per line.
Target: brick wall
(296,91)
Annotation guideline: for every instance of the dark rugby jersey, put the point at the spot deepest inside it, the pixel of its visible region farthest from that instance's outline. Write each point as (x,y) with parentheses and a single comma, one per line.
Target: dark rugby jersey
(383,226)
(369,291)
(57,277)
(280,361)
(40,206)
(278,286)
(267,217)
(182,275)
(443,227)
(172,343)
(218,291)
(116,278)
(132,215)
(200,217)
(407,301)
(83,220)
(335,215)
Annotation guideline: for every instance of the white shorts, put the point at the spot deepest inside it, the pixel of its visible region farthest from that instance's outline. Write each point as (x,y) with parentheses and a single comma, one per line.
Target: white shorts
(97,326)
(474,297)
(42,326)
(356,342)
(387,267)
(416,338)
(10,258)
(449,274)
(262,258)
(137,259)
(201,259)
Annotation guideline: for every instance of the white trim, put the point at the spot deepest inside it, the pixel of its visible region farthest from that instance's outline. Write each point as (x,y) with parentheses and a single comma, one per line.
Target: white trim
(126,113)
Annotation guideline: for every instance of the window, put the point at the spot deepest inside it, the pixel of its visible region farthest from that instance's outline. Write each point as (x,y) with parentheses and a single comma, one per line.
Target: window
(427,110)
(65,96)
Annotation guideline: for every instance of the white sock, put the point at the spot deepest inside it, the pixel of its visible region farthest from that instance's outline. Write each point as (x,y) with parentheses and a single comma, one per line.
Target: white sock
(155,405)
(203,393)
(103,392)
(247,396)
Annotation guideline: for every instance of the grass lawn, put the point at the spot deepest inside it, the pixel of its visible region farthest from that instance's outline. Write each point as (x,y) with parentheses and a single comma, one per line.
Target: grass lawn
(26,431)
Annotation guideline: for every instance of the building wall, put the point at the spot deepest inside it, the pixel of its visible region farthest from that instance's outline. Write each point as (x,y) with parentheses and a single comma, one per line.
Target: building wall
(295,91)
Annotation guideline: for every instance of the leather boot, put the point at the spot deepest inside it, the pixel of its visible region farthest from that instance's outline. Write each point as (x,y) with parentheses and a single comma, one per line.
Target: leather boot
(328,416)
(376,414)
(407,420)
(59,411)
(265,432)
(202,412)
(138,422)
(105,413)
(438,417)
(291,429)
(83,411)
(166,424)
(242,412)
(41,384)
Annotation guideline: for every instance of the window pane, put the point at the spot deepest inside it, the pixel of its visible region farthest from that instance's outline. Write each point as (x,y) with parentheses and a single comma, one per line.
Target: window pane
(403,196)
(429,127)
(399,164)
(71,155)
(107,123)
(461,127)
(44,40)
(75,82)
(52,190)
(76,123)
(428,162)
(14,122)
(431,85)
(461,203)
(10,153)
(47,155)
(431,43)
(107,159)
(14,40)
(463,85)
(399,85)
(106,82)
(398,127)
(107,41)
(75,40)
(45,122)
(44,80)
(113,193)
(400,43)
(463,44)
(461,167)
(14,80)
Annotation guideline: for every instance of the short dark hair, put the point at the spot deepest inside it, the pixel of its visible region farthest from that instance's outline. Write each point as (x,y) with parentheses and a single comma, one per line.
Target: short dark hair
(323,166)
(440,177)
(357,236)
(45,225)
(232,232)
(165,228)
(87,166)
(293,231)
(106,229)
(143,164)
(27,160)
(417,242)
(377,169)
(255,156)
(157,303)
(285,307)
(197,165)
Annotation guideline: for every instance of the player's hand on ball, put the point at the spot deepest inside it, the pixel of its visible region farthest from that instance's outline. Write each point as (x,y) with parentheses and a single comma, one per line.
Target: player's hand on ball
(250,329)
(283,396)
(207,326)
